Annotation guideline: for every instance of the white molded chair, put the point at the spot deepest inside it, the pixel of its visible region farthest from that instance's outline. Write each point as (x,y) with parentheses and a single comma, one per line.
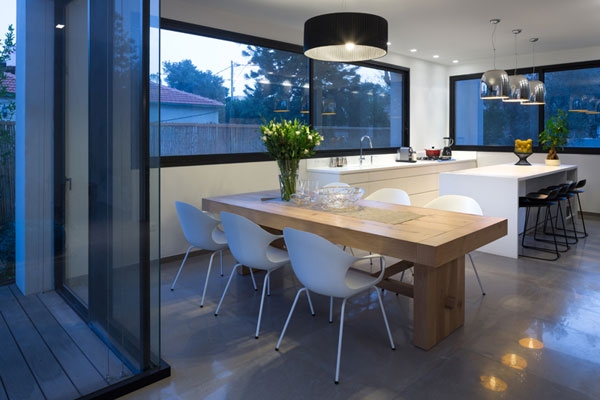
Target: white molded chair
(462,204)
(251,246)
(324,268)
(390,195)
(202,231)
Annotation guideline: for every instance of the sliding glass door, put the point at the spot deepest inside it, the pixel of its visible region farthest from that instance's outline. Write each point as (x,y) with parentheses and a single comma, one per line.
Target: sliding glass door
(109,267)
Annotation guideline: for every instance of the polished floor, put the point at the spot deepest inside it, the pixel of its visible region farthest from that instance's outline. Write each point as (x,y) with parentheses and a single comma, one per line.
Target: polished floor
(554,306)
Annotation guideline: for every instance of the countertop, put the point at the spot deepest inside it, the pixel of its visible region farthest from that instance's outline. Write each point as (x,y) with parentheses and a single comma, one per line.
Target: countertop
(381,166)
(512,171)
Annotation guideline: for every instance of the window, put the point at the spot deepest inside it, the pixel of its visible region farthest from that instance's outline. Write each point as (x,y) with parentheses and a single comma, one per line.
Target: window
(352,101)
(491,123)
(212,107)
(488,122)
(576,90)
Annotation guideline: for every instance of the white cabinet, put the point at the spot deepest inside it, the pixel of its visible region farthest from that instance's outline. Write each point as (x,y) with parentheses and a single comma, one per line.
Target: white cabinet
(420,180)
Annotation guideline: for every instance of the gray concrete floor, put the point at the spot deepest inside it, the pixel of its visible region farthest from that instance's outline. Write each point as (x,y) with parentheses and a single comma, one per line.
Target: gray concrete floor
(556,303)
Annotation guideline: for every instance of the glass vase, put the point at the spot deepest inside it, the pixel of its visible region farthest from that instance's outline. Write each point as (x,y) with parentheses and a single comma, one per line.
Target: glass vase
(288,176)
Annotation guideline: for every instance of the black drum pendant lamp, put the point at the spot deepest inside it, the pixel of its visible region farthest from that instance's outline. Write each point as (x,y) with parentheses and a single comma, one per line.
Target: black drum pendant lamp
(345,37)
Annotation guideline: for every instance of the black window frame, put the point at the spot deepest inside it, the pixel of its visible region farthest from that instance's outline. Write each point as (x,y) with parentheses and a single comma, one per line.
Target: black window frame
(541,71)
(231,158)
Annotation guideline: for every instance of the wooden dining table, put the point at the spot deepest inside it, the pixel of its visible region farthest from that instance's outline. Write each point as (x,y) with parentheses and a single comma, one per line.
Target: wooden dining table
(434,242)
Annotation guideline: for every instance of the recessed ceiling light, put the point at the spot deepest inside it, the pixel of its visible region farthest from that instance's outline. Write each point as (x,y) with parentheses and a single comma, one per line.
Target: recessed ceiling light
(60,26)
(413,50)
(389,43)
(436,56)
(454,61)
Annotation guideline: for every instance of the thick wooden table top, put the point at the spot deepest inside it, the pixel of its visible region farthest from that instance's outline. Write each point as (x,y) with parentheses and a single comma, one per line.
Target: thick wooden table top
(424,236)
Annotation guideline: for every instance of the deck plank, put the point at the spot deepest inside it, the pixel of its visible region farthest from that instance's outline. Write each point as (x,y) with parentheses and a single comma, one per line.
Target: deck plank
(81,372)
(17,380)
(52,379)
(95,350)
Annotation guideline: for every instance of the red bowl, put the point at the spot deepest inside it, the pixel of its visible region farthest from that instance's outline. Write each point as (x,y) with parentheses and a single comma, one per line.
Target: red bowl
(432,152)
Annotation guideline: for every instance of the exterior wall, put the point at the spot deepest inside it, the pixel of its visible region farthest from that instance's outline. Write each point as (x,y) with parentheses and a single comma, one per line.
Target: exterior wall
(188,114)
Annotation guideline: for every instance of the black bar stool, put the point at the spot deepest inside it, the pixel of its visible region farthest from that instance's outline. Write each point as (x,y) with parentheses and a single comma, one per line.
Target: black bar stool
(564,197)
(577,190)
(540,200)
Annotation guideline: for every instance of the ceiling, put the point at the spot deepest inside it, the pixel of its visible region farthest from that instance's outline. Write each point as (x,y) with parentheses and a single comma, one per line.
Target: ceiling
(453,29)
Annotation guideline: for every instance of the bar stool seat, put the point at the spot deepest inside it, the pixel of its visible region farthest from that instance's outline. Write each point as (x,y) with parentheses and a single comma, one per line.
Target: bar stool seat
(544,199)
(564,197)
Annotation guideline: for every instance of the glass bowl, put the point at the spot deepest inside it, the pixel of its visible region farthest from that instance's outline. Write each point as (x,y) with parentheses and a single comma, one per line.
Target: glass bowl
(339,197)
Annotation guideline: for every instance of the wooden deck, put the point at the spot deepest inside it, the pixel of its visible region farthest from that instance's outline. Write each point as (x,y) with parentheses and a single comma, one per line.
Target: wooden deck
(48,352)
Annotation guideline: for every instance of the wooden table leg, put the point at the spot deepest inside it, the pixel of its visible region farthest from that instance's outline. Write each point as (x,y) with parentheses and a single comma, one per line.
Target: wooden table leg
(439,302)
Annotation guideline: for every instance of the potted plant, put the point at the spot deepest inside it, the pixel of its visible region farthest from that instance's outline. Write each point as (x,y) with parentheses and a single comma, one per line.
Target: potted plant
(555,136)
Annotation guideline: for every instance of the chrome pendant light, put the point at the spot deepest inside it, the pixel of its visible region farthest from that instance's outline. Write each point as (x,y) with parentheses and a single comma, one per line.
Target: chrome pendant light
(537,89)
(519,85)
(494,83)
(345,37)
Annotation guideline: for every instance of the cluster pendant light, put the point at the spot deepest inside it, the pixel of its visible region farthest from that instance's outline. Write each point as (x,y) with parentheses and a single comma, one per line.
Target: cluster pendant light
(519,85)
(495,83)
(345,37)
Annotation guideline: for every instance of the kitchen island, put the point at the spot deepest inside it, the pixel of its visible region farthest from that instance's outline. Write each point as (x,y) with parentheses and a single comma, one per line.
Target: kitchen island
(418,179)
(497,189)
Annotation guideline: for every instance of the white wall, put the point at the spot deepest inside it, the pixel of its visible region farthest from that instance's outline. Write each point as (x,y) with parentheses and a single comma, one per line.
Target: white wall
(429,108)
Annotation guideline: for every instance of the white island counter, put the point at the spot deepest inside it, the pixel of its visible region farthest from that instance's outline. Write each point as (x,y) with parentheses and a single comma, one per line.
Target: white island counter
(497,189)
(419,179)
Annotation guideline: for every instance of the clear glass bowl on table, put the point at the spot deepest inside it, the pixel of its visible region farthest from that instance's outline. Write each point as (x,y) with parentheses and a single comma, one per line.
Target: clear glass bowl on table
(339,197)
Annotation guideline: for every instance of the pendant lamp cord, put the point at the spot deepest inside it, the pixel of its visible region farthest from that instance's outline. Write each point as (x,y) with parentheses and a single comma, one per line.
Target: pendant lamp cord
(516,32)
(533,40)
(494,22)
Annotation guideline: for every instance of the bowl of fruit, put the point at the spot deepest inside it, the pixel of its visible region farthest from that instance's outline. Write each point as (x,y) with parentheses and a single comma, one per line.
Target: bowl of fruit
(523,149)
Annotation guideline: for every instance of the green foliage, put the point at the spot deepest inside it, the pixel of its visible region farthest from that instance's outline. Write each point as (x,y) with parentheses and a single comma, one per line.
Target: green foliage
(185,76)
(289,140)
(556,133)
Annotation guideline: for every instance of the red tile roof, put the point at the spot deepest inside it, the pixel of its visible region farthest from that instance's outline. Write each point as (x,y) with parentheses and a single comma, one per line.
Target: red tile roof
(174,96)
(10,83)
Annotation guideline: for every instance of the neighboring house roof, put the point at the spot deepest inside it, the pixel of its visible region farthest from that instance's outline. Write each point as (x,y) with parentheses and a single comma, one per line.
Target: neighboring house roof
(10,83)
(174,96)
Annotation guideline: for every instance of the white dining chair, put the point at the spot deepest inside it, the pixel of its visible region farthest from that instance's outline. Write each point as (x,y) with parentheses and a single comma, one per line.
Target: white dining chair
(251,246)
(390,195)
(325,269)
(461,204)
(203,231)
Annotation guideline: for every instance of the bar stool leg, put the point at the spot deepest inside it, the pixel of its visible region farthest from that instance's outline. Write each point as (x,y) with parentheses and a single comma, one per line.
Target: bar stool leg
(585,234)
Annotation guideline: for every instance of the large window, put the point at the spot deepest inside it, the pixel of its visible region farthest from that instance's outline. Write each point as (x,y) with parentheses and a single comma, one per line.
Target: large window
(352,101)
(492,123)
(489,122)
(217,87)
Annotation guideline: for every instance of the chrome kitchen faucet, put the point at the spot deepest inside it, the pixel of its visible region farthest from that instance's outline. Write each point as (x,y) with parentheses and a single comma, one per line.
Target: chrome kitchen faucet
(361,158)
